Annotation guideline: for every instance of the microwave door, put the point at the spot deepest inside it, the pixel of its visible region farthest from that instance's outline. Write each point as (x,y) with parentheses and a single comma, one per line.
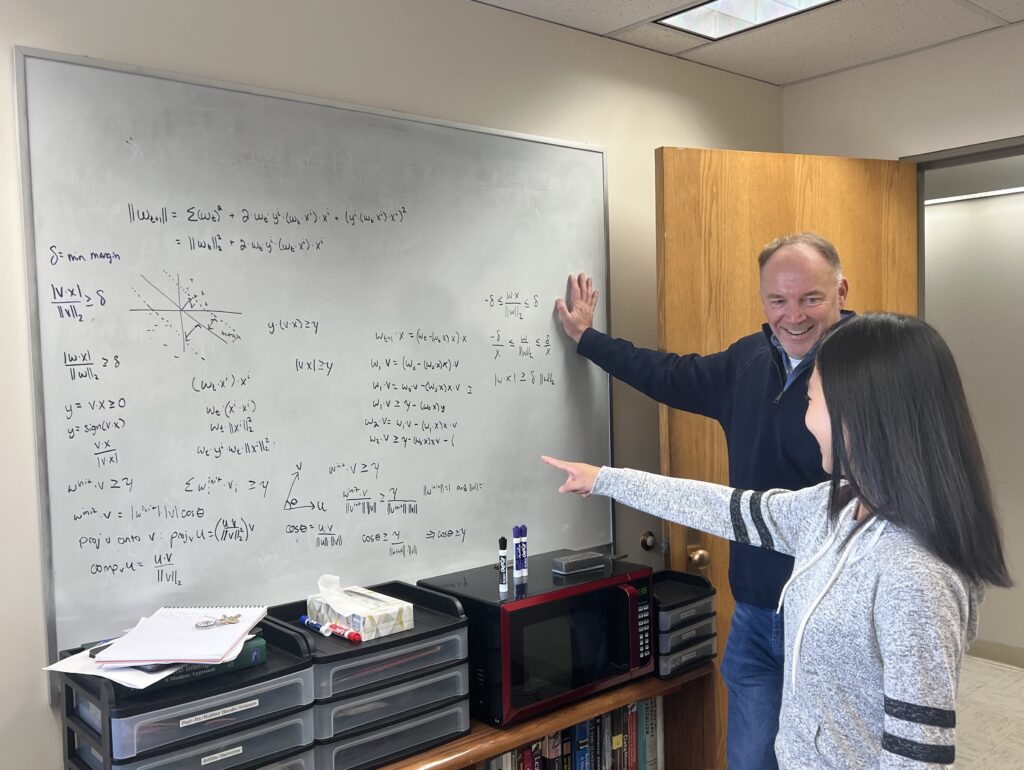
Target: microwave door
(561,646)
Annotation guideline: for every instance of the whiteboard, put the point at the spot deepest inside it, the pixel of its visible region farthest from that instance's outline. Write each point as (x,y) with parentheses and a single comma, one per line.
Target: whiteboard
(277,338)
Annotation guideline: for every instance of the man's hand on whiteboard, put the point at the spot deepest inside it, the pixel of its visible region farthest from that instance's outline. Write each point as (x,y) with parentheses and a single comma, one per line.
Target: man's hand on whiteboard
(581,476)
(577,315)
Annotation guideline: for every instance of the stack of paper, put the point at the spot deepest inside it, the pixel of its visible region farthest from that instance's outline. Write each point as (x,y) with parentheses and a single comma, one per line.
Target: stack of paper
(184,635)
(135,678)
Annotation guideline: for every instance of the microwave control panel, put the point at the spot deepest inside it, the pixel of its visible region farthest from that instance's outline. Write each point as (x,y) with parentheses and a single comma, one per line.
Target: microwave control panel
(643,625)
(644,621)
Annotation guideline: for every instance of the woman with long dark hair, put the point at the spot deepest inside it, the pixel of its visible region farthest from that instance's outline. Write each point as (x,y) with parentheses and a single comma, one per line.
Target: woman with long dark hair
(892,555)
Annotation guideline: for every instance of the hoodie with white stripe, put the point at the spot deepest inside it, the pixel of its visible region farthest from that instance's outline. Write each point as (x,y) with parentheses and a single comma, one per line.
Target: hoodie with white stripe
(876,625)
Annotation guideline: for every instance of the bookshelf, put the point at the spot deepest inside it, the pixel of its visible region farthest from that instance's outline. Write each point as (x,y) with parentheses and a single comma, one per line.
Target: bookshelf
(687,724)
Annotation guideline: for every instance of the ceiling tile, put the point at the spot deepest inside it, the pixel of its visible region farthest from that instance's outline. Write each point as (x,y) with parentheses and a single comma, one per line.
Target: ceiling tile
(1011,10)
(839,36)
(659,38)
(598,16)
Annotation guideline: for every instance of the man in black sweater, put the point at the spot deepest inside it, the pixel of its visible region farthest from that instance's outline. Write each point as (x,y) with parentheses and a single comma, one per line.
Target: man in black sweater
(756,389)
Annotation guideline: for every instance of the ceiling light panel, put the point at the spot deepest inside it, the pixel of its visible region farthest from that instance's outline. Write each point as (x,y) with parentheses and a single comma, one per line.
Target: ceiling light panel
(722,18)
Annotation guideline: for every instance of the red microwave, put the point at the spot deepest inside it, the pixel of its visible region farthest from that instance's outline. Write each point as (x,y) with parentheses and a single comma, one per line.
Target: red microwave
(551,639)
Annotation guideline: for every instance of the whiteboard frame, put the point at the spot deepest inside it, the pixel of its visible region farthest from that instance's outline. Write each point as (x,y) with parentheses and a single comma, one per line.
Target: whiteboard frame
(21,54)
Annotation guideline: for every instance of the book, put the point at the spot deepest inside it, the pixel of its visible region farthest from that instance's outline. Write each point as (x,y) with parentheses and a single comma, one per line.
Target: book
(616,729)
(537,753)
(184,635)
(581,747)
(627,744)
(553,751)
(641,735)
(567,747)
(650,738)
(254,653)
(659,711)
(632,731)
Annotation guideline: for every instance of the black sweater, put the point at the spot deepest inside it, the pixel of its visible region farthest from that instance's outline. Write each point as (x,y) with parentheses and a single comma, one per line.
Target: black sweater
(743,389)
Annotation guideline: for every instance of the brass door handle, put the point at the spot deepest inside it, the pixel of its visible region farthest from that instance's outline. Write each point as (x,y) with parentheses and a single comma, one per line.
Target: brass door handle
(699,558)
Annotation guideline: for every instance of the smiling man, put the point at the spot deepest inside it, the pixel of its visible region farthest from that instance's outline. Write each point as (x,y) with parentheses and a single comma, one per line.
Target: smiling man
(756,390)
(802,289)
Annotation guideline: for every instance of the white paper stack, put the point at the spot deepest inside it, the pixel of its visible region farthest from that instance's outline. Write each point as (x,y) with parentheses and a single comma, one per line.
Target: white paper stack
(183,635)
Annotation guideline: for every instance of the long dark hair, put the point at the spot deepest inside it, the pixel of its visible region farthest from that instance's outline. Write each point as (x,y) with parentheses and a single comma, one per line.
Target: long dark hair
(903,439)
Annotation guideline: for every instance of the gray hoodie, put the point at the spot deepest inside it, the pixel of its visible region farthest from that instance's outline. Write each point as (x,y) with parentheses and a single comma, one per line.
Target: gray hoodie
(876,626)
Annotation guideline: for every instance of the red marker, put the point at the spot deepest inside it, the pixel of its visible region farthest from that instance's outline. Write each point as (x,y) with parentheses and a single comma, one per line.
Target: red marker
(345,633)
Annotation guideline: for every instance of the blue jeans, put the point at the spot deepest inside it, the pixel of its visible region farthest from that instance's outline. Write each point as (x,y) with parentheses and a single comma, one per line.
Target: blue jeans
(753,668)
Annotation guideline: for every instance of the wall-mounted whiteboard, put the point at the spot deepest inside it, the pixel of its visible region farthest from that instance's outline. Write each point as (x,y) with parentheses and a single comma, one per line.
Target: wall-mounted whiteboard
(278,338)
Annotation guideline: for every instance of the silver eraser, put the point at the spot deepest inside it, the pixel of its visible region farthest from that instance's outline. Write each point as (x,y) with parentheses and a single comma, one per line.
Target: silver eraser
(577,562)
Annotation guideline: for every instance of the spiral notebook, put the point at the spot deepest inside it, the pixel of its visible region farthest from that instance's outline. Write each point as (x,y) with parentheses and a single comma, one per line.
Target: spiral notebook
(184,635)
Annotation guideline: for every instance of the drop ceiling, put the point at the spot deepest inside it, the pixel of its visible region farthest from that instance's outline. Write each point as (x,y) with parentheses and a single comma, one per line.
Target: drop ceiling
(820,41)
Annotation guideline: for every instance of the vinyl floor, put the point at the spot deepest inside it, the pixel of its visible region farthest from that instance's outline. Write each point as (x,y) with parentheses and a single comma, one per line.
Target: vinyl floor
(990,716)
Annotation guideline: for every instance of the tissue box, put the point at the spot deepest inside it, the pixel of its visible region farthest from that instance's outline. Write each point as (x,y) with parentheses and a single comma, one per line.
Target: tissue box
(370,613)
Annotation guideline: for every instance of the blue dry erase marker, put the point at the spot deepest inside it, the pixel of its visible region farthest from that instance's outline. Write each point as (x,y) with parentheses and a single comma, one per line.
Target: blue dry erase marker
(310,623)
(502,564)
(517,553)
(526,558)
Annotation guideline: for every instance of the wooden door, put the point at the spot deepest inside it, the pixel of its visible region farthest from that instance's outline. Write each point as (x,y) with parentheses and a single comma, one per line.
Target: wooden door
(716,210)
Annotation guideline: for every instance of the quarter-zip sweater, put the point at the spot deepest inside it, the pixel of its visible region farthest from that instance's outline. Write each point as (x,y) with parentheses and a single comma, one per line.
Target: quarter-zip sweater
(744,389)
(876,625)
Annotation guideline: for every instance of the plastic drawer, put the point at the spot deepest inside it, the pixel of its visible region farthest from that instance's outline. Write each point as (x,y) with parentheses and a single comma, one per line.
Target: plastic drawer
(378,747)
(119,723)
(680,598)
(334,719)
(686,658)
(278,737)
(671,641)
(340,667)
(154,730)
(302,761)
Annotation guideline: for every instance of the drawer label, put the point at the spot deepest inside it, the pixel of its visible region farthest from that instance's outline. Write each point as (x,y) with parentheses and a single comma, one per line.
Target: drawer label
(220,755)
(684,657)
(194,720)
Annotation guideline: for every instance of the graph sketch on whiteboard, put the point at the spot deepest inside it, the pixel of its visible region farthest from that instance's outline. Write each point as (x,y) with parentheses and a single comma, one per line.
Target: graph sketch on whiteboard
(182,313)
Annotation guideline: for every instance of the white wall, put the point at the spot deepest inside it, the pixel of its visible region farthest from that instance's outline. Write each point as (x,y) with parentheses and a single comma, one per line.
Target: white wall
(450,59)
(974,280)
(965,92)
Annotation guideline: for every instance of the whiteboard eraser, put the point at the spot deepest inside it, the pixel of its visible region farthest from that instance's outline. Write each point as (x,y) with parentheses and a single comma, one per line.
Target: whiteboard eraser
(581,561)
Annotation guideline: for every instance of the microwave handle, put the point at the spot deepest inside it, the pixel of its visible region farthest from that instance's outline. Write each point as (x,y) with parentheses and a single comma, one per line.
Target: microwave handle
(633,623)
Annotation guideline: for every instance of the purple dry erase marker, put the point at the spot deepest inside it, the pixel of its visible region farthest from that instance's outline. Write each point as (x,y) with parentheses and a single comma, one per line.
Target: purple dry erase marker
(517,564)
